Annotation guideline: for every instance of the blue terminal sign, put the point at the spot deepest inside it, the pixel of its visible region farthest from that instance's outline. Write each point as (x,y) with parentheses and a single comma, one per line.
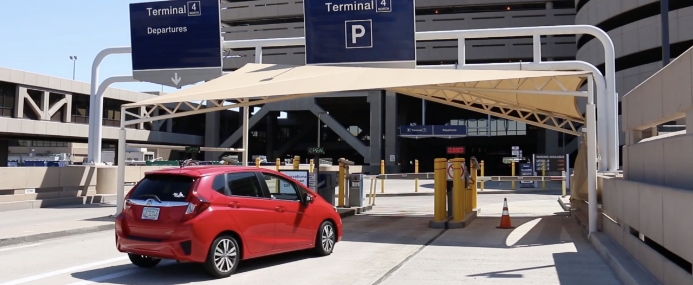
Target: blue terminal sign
(376,33)
(433,131)
(177,42)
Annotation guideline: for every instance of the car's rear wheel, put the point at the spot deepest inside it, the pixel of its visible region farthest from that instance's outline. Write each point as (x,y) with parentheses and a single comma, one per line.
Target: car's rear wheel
(143,260)
(326,239)
(223,257)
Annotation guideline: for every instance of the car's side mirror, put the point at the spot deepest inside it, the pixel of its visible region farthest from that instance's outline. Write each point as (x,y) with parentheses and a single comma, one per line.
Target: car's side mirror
(308,198)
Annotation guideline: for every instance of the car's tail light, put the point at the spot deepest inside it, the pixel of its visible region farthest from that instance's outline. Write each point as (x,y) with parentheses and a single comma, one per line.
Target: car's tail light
(196,205)
(127,205)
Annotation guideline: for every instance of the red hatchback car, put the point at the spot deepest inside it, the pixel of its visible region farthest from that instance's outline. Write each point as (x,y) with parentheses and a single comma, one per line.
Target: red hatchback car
(220,215)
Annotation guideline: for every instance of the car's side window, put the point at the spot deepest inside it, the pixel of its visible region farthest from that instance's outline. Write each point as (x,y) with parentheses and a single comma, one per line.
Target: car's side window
(280,188)
(244,184)
(219,184)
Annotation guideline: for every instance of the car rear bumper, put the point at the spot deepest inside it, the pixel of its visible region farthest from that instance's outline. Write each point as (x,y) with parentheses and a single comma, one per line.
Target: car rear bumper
(179,249)
(181,246)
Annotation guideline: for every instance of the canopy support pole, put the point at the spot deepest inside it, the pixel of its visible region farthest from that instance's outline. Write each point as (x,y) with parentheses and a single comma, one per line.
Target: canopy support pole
(591,159)
(246,133)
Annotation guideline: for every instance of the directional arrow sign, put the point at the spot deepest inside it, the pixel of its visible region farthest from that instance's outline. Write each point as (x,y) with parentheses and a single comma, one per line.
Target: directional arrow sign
(176,79)
(176,43)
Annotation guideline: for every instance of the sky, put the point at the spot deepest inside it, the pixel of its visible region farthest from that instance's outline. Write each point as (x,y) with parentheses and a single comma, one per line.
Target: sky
(39,36)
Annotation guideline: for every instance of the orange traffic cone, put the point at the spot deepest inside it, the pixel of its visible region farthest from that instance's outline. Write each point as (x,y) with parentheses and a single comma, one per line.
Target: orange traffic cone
(505,218)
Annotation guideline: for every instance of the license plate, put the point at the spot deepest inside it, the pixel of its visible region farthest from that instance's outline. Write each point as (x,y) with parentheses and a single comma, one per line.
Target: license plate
(150,213)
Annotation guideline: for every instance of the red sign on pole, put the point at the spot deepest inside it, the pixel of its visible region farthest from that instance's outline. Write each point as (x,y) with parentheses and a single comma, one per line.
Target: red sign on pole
(455,150)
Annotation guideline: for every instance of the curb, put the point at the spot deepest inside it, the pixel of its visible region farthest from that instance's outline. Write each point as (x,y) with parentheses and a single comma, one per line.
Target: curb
(625,268)
(343,212)
(450,224)
(564,205)
(348,212)
(57,202)
(54,235)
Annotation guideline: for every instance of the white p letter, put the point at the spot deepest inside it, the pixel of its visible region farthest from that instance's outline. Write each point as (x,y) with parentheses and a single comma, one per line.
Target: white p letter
(354,34)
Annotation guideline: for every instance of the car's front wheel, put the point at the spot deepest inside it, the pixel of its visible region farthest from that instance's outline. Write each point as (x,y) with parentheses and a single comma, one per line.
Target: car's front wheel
(326,239)
(143,261)
(223,257)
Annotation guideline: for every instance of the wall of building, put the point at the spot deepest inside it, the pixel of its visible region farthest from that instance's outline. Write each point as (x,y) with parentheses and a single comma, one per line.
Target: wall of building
(261,19)
(51,107)
(646,211)
(635,28)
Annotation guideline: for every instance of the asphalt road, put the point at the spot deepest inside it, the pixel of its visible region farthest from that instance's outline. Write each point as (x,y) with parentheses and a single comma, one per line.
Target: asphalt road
(390,245)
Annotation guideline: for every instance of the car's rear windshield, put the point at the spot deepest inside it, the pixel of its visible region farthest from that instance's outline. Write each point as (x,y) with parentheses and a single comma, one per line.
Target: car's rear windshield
(163,187)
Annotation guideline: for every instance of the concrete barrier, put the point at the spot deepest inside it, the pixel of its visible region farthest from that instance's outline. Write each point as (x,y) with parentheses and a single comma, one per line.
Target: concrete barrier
(106,179)
(41,183)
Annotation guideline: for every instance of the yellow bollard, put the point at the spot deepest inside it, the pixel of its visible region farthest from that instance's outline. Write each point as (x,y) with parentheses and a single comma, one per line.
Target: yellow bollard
(297,162)
(310,168)
(473,191)
(279,163)
(512,173)
(382,181)
(458,193)
(370,193)
(416,180)
(543,173)
(257,162)
(439,185)
(340,180)
(482,174)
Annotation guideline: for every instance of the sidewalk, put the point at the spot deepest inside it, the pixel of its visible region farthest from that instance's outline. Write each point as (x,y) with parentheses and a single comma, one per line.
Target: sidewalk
(31,225)
(34,225)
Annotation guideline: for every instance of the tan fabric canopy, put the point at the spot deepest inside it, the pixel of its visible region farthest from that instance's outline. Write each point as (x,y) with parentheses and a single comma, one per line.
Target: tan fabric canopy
(525,89)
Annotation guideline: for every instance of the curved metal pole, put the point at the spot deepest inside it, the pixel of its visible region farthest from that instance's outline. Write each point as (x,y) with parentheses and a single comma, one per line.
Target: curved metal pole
(599,80)
(92,91)
(97,128)
(611,103)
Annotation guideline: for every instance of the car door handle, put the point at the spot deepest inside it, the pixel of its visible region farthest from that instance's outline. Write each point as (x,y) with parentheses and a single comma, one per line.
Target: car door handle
(235,205)
(279,209)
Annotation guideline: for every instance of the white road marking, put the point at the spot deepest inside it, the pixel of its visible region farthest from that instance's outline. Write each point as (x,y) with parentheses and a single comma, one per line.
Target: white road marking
(19,247)
(106,277)
(63,271)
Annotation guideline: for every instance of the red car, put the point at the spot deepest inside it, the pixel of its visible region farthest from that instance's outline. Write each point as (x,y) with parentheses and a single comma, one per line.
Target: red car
(220,215)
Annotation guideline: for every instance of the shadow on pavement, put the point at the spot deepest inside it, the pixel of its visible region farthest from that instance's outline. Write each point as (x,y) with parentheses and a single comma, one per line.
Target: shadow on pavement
(547,247)
(171,272)
(573,256)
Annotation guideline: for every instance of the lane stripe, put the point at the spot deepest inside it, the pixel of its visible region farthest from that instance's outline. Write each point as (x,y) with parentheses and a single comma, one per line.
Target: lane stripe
(392,270)
(19,247)
(63,271)
(107,277)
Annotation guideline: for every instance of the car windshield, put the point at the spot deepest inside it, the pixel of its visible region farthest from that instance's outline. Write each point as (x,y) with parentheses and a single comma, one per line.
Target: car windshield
(163,187)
